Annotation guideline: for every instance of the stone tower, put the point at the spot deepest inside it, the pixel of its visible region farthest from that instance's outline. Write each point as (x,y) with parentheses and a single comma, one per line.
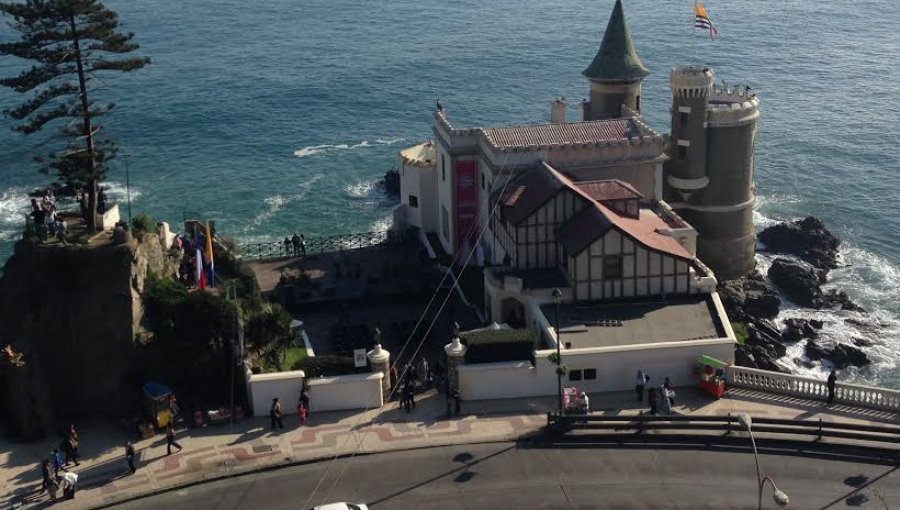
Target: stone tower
(616,72)
(709,175)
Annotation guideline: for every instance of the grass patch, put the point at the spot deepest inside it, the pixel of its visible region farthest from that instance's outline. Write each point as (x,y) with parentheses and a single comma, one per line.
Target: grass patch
(292,356)
(740,332)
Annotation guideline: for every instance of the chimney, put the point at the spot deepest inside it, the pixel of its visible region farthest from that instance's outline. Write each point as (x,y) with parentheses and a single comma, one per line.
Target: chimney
(558,111)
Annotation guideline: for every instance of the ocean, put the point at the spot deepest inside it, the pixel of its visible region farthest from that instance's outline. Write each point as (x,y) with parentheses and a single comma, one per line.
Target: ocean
(281,116)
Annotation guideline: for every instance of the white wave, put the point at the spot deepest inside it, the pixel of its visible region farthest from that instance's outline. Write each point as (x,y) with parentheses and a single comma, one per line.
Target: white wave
(360,189)
(329,148)
(278,201)
(118,192)
(382,224)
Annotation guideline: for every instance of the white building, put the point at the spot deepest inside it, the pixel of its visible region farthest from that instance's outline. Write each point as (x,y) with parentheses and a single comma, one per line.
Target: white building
(576,206)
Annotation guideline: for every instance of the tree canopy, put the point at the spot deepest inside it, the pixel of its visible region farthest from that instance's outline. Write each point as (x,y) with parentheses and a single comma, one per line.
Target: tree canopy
(69,42)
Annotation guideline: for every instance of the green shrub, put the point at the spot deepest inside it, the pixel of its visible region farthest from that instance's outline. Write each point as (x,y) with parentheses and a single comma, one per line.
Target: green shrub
(740,332)
(161,297)
(142,224)
(493,346)
(326,366)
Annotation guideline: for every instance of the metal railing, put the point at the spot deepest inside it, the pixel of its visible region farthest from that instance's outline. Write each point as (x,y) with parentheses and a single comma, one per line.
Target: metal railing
(806,387)
(817,429)
(323,244)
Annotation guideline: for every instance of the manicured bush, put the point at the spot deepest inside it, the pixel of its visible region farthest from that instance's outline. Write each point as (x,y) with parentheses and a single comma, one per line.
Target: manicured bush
(493,346)
(326,366)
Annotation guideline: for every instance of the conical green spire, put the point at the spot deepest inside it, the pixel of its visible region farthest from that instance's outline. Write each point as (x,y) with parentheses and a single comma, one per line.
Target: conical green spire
(616,59)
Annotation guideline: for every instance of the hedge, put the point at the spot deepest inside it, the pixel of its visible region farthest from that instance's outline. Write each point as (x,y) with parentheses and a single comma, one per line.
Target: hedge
(326,366)
(493,346)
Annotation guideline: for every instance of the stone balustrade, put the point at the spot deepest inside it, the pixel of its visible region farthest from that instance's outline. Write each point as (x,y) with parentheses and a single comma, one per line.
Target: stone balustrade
(816,389)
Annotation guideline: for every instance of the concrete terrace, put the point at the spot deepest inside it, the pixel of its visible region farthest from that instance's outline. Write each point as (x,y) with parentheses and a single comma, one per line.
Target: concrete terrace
(605,325)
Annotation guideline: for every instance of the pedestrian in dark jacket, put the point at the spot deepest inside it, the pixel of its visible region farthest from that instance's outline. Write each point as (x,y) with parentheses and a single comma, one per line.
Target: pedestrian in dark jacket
(639,384)
(170,440)
(832,378)
(275,414)
(129,456)
(653,397)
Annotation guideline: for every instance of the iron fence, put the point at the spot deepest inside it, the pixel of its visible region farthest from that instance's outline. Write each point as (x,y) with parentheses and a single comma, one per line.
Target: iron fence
(324,244)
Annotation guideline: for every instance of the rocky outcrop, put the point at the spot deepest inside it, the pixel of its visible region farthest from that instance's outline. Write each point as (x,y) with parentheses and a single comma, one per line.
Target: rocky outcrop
(798,280)
(840,355)
(798,329)
(807,239)
(74,312)
(750,296)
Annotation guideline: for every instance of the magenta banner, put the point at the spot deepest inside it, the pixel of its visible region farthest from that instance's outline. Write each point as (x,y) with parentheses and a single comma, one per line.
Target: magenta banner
(466,201)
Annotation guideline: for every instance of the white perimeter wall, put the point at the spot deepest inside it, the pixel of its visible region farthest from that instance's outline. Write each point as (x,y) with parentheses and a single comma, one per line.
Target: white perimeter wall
(358,391)
(616,369)
(262,388)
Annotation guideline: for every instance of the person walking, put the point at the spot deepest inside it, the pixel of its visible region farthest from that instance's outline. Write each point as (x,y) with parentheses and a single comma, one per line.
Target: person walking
(170,440)
(129,456)
(56,460)
(408,400)
(642,379)
(275,414)
(301,412)
(425,373)
(304,399)
(69,446)
(668,391)
(69,479)
(832,378)
(46,476)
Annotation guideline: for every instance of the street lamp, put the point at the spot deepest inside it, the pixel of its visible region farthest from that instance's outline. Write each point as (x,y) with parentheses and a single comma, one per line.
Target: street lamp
(780,498)
(557,297)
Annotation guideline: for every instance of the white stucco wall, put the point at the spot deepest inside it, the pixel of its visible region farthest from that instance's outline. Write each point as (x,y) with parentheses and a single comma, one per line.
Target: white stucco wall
(410,185)
(262,388)
(616,369)
(360,391)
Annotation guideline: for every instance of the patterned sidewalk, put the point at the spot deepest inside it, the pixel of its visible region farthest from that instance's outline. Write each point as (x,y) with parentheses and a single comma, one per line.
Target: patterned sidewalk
(249,445)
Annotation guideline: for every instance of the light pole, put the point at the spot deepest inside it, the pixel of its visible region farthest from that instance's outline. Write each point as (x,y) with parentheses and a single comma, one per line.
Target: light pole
(128,189)
(780,498)
(557,297)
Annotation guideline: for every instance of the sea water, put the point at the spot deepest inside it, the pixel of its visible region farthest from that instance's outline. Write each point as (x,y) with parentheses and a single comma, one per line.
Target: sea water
(279,117)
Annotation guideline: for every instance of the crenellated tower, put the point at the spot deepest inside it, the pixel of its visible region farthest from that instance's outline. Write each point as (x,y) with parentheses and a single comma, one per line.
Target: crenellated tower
(615,73)
(709,175)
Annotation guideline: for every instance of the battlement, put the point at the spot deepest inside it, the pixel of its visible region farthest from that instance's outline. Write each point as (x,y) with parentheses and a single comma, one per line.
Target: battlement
(732,106)
(691,81)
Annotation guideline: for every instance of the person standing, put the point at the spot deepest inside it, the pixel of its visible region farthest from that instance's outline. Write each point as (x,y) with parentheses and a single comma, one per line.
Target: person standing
(832,378)
(653,398)
(304,399)
(170,440)
(129,456)
(302,246)
(639,384)
(408,401)
(46,477)
(295,242)
(287,246)
(275,414)
(101,201)
(424,372)
(69,480)
(70,445)
(668,391)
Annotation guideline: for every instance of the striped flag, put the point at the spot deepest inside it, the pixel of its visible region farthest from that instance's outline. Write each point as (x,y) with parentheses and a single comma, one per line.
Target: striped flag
(208,254)
(701,20)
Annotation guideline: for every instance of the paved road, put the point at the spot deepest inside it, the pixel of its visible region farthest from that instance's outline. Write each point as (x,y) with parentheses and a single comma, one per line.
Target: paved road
(507,475)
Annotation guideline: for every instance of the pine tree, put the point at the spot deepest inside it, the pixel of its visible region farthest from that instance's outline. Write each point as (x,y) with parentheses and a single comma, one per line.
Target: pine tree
(69,42)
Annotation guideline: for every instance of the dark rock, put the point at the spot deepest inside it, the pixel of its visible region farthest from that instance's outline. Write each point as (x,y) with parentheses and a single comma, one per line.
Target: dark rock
(772,345)
(793,330)
(807,238)
(840,299)
(750,295)
(843,356)
(764,359)
(392,181)
(814,351)
(809,331)
(798,280)
(862,342)
(743,357)
(817,324)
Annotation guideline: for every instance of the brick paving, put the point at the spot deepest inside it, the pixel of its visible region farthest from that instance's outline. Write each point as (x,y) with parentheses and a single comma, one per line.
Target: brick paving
(248,445)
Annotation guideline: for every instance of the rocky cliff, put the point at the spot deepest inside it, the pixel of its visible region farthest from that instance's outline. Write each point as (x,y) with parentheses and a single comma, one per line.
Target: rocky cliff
(74,311)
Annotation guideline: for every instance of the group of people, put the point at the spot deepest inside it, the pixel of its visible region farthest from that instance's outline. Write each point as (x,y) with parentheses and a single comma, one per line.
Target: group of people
(661,398)
(48,224)
(302,410)
(59,460)
(295,246)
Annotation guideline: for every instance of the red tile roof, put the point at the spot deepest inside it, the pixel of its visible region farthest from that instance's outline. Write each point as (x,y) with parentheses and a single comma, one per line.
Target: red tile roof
(578,133)
(612,189)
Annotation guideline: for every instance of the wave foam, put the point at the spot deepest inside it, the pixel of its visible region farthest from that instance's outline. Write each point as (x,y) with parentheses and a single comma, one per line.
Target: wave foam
(329,148)
(278,201)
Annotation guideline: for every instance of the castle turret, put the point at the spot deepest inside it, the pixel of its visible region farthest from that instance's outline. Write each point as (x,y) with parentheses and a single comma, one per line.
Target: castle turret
(709,176)
(616,72)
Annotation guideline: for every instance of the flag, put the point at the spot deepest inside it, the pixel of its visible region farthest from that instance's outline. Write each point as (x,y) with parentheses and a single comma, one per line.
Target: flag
(201,280)
(209,257)
(701,20)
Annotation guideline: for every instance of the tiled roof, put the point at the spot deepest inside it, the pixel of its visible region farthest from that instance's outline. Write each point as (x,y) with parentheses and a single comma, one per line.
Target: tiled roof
(582,229)
(577,133)
(527,193)
(612,189)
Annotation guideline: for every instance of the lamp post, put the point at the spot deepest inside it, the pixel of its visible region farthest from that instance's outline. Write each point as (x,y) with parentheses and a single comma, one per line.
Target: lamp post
(128,188)
(780,498)
(557,297)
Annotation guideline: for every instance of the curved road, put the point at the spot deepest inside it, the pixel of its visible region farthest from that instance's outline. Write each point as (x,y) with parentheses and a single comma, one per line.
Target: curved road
(509,475)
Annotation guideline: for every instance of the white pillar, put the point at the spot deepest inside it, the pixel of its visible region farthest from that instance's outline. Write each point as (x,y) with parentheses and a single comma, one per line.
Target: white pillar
(380,361)
(455,352)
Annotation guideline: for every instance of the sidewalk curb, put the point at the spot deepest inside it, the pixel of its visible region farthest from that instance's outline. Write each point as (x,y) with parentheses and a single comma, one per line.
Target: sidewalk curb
(293,463)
